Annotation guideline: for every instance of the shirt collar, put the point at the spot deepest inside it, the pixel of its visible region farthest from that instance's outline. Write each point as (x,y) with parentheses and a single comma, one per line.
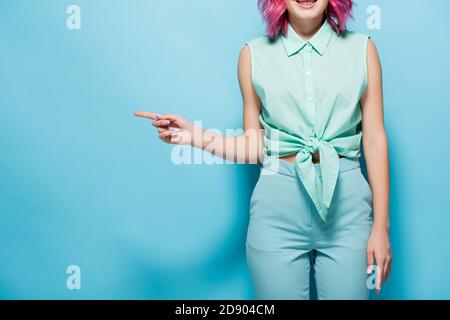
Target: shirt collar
(293,43)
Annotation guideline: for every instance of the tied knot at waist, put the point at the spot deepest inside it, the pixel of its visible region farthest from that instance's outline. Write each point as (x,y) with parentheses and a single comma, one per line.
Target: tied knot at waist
(320,188)
(312,144)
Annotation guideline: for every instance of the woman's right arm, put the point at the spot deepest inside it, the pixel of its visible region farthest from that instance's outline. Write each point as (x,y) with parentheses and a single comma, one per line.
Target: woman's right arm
(246,148)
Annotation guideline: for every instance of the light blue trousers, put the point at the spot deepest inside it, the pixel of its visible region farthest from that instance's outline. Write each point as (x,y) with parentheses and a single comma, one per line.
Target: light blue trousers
(286,236)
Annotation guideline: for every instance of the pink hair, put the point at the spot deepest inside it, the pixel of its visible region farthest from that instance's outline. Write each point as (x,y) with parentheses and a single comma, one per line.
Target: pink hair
(274,14)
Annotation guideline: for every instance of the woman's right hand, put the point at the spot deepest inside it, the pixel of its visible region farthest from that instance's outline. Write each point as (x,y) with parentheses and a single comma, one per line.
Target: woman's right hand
(172,128)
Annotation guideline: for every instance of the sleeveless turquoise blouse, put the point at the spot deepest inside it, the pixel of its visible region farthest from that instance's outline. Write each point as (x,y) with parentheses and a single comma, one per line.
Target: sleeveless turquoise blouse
(310,93)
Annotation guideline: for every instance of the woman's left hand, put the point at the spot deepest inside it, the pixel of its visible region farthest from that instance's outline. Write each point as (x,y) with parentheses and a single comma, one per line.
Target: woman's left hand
(379,249)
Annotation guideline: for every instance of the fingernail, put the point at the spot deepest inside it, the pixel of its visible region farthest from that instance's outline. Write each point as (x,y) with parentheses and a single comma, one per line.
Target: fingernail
(369,269)
(378,291)
(167,122)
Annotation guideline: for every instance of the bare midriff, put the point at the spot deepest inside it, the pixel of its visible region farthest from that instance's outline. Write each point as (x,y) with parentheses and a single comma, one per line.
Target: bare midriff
(315,157)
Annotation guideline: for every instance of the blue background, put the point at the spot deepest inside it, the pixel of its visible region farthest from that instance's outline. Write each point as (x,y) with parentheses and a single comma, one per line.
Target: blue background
(84,182)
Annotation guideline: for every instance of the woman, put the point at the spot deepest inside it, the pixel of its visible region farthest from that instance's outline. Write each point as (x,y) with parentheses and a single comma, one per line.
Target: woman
(310,89)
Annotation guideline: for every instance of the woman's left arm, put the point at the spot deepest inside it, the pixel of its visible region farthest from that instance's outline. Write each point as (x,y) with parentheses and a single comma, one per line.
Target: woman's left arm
(375,146)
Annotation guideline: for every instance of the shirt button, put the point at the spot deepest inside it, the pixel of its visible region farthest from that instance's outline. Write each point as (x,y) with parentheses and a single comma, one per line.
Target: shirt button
(308,72)
(310,98)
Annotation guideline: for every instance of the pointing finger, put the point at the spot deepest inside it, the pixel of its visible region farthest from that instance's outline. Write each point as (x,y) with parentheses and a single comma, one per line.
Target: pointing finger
(149,115)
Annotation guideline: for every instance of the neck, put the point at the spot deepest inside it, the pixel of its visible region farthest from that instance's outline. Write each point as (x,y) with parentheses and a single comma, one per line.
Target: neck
(306,28)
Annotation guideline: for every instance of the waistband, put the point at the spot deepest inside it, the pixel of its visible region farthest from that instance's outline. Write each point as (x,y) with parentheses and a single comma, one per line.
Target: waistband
(273,163)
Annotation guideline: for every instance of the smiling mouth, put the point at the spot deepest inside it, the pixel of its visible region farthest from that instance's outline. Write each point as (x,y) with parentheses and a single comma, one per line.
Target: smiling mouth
(306,4)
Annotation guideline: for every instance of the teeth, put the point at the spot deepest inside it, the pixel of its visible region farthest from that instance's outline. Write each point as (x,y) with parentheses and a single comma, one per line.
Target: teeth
(305,3)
